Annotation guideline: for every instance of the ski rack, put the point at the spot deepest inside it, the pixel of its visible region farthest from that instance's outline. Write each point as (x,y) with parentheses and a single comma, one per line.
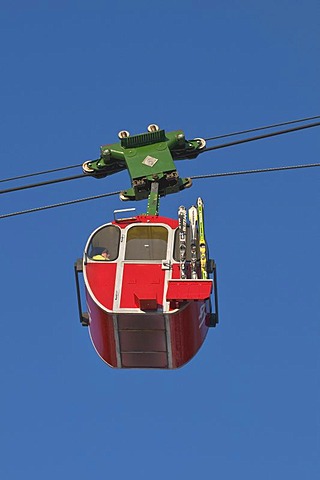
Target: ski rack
(197,239)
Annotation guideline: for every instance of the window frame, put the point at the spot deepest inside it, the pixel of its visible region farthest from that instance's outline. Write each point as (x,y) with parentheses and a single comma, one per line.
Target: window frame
(148,225)
(116,255)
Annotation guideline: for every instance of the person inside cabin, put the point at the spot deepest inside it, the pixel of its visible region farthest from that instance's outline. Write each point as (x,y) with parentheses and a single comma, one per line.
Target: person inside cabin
(104,255)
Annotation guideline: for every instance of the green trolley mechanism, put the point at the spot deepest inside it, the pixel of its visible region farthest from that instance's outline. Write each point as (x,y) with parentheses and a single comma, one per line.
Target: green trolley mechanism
(149,158)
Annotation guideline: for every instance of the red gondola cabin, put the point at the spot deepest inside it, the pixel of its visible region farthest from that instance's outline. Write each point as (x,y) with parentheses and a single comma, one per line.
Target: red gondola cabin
(141,314)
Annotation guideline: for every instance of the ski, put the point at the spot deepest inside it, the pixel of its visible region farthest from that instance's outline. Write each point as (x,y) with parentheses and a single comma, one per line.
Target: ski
(193,219)
(202,240)
(182,217)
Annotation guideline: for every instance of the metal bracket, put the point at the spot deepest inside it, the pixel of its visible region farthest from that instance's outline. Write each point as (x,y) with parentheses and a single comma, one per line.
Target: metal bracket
(166,265)
(214,317)
(83,316)
(124,210)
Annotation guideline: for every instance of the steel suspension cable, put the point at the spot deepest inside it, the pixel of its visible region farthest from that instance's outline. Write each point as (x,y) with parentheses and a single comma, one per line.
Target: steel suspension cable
(257,170)
(259,137)
(215,147)
(44,172)
(41,184)
(265,127)
(19,177)
(55,205)
(195,177)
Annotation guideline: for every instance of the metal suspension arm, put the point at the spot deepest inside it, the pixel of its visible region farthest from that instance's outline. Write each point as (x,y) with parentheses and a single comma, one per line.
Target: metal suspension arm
(153,199)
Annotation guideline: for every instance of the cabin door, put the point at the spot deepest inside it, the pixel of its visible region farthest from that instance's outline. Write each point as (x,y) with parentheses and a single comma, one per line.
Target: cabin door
(145,268)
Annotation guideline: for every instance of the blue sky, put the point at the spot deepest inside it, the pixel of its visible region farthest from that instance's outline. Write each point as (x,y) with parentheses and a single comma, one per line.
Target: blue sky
(72,75)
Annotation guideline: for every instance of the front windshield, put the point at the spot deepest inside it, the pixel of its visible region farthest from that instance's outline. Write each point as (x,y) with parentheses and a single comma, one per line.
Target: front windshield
(146,243)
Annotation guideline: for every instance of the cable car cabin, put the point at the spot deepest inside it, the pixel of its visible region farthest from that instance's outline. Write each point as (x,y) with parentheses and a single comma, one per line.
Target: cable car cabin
(141,314)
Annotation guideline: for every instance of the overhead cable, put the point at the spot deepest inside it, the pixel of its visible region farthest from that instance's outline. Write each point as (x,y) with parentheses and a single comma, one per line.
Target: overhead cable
(250,139)
(19,177)
(262,128)
(258,170)
(41,184)
(196,177)
(61,204)
(259,137)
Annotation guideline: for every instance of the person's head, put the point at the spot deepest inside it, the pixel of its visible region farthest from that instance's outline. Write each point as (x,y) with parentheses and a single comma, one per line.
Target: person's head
(105,253)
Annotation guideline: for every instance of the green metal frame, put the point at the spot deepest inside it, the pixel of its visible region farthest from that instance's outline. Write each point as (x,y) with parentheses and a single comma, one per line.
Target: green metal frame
(149,158)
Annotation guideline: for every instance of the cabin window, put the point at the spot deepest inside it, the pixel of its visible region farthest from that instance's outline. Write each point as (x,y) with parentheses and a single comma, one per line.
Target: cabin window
(176,250)
(146,243)
(104,244)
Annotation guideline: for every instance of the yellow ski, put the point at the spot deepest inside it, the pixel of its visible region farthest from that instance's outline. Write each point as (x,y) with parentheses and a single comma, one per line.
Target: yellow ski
(202,240)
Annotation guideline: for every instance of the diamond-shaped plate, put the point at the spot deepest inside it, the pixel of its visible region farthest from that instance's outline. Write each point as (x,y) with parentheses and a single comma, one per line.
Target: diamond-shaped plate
(150,161)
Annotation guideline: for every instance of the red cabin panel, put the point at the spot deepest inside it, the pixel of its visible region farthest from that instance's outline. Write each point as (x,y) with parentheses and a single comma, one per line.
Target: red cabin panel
(189,289)
(101,279)
(142,283)
(102,333)
(188,330)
